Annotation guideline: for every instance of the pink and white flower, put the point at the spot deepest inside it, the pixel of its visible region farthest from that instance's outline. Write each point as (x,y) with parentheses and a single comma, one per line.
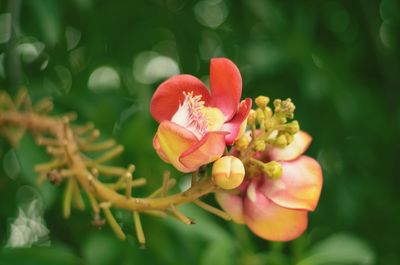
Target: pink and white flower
(196,125)
(277,209)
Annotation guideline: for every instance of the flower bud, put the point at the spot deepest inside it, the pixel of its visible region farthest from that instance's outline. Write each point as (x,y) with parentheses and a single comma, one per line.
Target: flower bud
(251,119)
(260,116)
(281,141)
(273,170)
(268,112)
(242,142)
(289,138)
(293,127)
(259,145)
(228,172)
(262,102)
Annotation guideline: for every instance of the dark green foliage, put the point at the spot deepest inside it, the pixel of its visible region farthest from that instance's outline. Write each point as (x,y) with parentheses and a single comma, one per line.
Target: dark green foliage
(337,60)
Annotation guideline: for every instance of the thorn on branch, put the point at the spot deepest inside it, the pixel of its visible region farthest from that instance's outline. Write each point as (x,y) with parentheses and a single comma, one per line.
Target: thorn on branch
(49,141)
(44,106)
(80,130)
(165,185)
(139,229)
(107,156)
(67,199)
(180,216)
(78,200)
(46,167)
(105,206)
(22,99)
(213,210)
(97,221)
(93,203)
(110,170)
(157,192)
(95,147)
(68,117)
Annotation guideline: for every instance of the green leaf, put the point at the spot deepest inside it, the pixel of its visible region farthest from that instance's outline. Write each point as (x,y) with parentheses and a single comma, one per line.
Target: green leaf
(340,249)
(55,254)
(219,252)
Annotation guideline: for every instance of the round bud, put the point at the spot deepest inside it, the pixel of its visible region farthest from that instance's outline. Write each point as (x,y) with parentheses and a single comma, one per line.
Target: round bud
(251,119)
(293,127)
(228,172)
(289,138)
(273,170)
(262,102)
(260,115)
(259,145)
(281,141)
(242,143)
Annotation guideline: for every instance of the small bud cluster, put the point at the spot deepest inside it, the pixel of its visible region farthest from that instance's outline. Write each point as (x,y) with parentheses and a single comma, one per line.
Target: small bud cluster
(270,126)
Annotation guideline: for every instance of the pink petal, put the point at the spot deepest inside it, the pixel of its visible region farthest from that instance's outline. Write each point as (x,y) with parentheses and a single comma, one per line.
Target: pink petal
(299,187)
(173,141)
(301,142)
(232,204)
(270,221)
(233,126)
(208,149)
(226,86)
(169,94)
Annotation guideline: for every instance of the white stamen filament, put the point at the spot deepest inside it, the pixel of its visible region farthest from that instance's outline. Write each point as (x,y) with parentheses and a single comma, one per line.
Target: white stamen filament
(190,116)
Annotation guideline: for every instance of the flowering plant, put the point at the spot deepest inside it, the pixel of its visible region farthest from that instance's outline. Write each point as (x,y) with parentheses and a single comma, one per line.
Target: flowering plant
(259,173)
(280,185)
(194,125)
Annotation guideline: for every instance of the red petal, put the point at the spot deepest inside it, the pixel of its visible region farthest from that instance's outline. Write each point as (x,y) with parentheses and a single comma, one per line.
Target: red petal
(232,204)
(208,149)
(169,94)
(271,221)
(233,126)
(301,142)
(226,86)
(299,187)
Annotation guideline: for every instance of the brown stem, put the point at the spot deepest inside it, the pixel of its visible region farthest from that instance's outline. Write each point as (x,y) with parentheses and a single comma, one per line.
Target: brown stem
(60,129)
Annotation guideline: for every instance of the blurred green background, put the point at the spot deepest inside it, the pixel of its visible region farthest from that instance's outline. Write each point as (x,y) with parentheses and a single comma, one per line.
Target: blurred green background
(337,60)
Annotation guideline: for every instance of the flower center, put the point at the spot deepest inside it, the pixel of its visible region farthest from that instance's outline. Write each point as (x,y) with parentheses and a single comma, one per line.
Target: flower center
(190,115)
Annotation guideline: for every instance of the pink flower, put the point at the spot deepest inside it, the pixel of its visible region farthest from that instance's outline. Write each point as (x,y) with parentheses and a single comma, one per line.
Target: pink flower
(195,126)
(277,209)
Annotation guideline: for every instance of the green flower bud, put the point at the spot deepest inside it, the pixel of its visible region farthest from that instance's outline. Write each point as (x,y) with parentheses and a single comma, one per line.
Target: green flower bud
(293,127)
(273,170)
(289,138)
(259,145)
(251,119)
(262,101)
(242,143)
(281,141)
(260,116)
(268,112)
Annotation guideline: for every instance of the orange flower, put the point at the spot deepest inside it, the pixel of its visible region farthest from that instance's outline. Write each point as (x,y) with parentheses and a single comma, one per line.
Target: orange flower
(195,126)
(276,209)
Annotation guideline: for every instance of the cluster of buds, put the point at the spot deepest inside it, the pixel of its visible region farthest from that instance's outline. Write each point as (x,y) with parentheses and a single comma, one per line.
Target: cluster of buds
(280,185)
(270,127)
